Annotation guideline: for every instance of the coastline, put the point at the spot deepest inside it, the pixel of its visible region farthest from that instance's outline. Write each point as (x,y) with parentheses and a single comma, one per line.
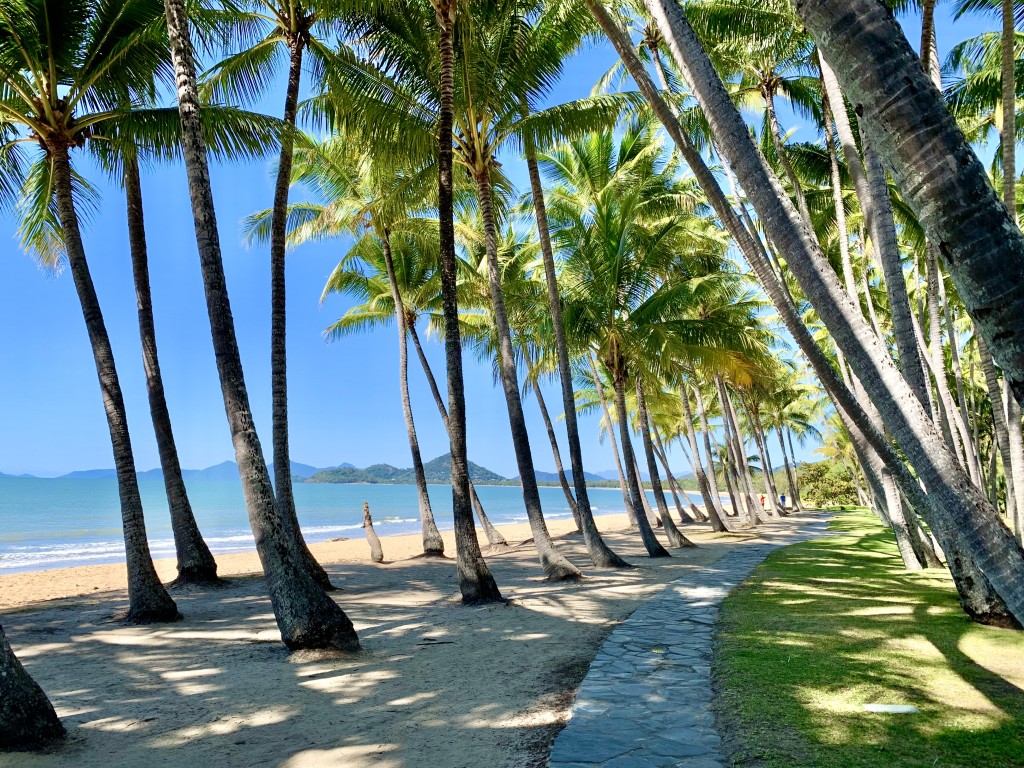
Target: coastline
(26,589)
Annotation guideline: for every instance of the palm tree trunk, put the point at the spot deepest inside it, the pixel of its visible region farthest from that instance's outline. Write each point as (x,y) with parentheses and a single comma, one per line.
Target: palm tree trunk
(475,580)
(27,719)
(790,479)
(652,517)
(562,480)
(958,379)
(627,501)
(278,321)
(938,365)
(911,357)
(675,537)
(494,537)
(1007,434)
(712,501)
(745,483)
(195,562)
(796,468)
(954,201)
(600,553)
(955,504)
(766,462)
(780,150)
(148,601)
(433,544)
(651,543)
(556,566)
(873,193)
(677,491)
(306,615)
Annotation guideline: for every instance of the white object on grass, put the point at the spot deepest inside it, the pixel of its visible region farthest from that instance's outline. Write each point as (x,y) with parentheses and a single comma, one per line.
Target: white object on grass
(893,709)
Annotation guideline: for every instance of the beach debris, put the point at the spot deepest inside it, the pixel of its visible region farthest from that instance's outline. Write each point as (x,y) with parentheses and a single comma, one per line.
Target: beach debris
(376,551)
(893,709)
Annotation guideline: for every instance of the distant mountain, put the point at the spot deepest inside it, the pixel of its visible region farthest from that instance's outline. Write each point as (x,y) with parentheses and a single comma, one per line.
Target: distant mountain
(611,474)
(437,471)
(225,471)
(89,474)
(552,477)
(4,474)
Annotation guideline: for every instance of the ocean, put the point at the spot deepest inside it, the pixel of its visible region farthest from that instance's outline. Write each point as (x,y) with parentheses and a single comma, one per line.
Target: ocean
(57,523)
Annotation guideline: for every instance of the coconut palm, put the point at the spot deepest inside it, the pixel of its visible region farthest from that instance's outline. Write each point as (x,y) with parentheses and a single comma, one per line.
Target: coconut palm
(306,615)
(977,595)
(372,204)
(500,64)
(71,71)
(982,248)
(632,255)
(983,534)
(268,32)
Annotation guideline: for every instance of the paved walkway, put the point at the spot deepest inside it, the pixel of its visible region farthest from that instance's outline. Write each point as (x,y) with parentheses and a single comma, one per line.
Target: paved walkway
(646,701)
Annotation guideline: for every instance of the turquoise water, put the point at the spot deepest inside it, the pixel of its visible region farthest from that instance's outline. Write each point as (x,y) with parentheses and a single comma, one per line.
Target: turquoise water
(50,523)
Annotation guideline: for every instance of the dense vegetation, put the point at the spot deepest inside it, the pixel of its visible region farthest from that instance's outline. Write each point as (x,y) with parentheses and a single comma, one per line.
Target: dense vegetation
(681,267)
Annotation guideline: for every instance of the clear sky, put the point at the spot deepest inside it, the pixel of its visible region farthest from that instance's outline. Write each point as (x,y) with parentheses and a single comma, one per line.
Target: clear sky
(343,395)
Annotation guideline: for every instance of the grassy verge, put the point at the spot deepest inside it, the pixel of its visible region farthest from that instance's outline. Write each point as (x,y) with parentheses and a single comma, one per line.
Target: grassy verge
(823,627)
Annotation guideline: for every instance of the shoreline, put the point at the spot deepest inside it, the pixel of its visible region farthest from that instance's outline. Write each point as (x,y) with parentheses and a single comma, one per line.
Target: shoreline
(25,589)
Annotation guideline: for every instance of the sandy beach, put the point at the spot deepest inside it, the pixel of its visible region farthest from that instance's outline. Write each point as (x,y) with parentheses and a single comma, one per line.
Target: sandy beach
(438,685)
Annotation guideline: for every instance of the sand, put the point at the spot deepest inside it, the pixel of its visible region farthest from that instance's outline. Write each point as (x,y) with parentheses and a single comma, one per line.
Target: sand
(438,685)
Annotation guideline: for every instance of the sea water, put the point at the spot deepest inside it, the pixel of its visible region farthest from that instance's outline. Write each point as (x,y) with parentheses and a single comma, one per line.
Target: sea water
(55,523)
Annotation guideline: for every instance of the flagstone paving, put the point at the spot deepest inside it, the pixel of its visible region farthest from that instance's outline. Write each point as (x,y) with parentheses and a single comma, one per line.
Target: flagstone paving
(646,700)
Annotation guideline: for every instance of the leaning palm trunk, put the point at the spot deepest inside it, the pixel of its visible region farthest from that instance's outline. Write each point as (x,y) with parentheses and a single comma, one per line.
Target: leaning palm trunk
(651,543)
(677,490)
(766,461)
(790,477)
(278,321)
(195,562)
(475,580)
(675,537)
(306,615)
(712,501)
(27,719)
(494,537)
(630,511)
(976,593)
(556,566)
(873,195)
(982,248)
(148,601)
(433,544)
(958,510)
(796,469)
(557,455)
(600,553)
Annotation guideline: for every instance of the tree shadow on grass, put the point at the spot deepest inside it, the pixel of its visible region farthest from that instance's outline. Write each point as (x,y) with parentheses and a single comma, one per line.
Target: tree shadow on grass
(823,627)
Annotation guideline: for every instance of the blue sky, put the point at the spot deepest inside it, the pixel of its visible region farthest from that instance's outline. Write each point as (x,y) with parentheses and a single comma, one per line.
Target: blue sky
(343,395)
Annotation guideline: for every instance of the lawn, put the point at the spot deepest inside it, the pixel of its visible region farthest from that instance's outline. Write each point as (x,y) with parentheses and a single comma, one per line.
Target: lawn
(823,627)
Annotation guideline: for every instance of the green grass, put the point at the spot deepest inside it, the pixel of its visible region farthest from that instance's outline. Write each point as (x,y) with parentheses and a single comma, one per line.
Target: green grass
(825,626)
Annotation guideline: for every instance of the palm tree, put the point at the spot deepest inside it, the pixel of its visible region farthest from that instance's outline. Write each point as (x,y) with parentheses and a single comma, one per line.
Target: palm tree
(489,115)
(977,595)
(980,244)
(370,203)
(267,29)
(64,84)
(195,561)
(475,580)
(950,492)
(27,719)
(630,250)
(306,615)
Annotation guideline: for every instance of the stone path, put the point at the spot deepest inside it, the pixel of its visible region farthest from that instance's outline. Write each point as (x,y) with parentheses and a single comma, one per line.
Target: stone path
(646,701)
